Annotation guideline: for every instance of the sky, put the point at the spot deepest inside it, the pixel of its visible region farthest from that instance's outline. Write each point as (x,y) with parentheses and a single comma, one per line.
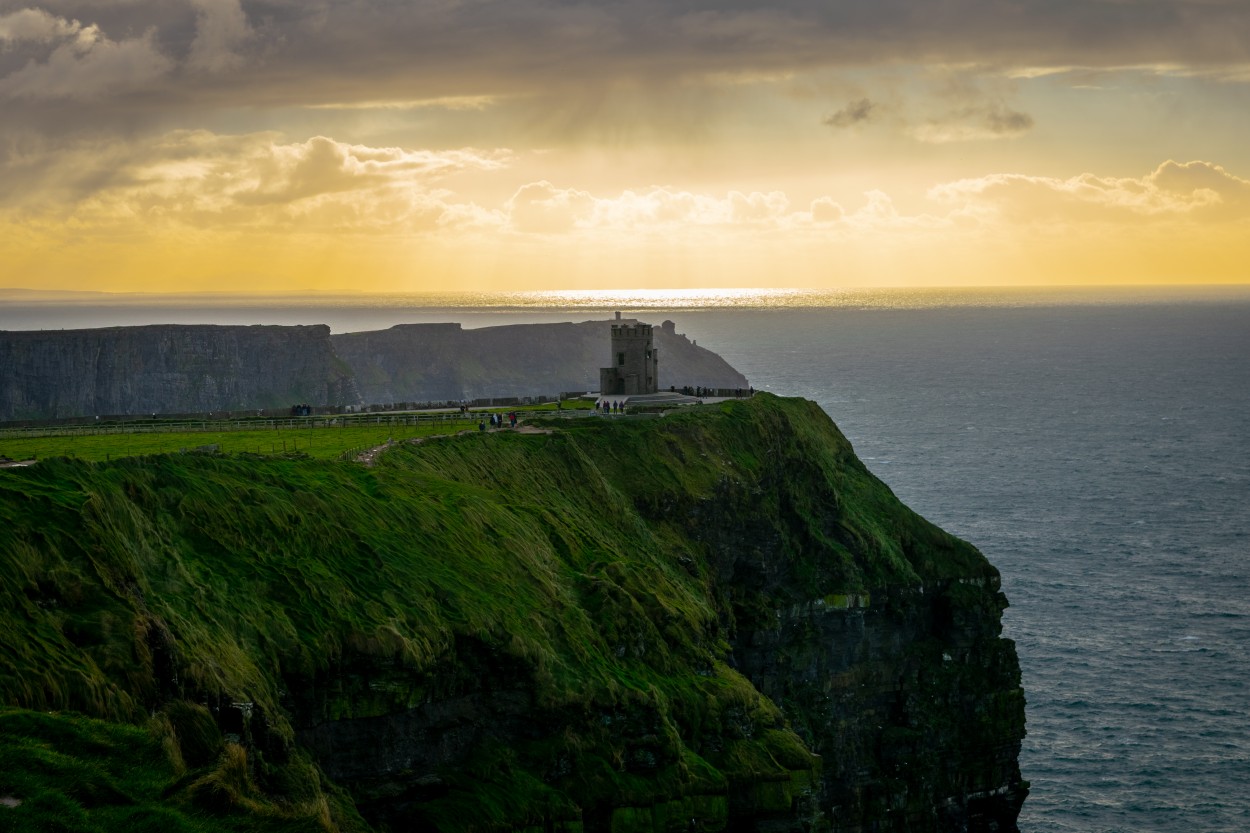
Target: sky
(467,145)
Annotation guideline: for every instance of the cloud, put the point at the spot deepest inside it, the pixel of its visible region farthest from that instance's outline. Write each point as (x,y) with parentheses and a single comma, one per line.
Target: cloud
(1172,191)
(36,25)
(1004,122)
(221,28)
(192,197)
(83,63)
(287,173)
(1202,178)
(756,207)
(309,52)
(825,211)
(964,105)
(201,182)
(542,208)
(975,123)
(853,113)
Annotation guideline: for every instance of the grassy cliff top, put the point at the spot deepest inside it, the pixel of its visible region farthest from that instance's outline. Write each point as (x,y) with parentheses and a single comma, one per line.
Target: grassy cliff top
(591,558)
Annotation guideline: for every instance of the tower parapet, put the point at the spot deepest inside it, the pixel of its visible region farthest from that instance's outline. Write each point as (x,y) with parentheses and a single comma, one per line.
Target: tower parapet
(635,367)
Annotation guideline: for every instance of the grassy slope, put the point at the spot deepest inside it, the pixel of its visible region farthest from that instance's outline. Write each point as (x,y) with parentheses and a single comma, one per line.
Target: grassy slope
(72,773)
(244,436)
(565,552)
(320,443)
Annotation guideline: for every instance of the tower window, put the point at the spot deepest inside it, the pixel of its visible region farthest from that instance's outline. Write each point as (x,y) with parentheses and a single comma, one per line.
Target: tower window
(620,359)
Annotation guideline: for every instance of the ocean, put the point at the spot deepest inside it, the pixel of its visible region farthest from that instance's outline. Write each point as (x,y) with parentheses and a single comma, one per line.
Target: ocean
(1095,445)
(1100,457)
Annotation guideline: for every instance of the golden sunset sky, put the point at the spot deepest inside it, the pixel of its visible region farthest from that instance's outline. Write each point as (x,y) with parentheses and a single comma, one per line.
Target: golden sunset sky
(377,145)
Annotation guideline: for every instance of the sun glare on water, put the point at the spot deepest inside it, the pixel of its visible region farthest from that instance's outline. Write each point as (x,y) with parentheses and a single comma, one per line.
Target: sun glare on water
(878,298)
(659,298)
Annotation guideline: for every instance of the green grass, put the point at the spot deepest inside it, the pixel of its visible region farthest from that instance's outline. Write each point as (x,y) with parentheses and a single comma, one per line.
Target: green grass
(72,774)
(581,567)
(314,438)
(320,443)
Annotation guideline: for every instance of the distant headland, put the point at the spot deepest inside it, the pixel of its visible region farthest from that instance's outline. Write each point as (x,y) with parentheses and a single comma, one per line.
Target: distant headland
(179,368)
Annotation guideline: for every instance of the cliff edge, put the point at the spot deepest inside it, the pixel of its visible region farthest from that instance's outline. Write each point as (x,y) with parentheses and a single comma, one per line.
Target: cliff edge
(168,368)
(717,620)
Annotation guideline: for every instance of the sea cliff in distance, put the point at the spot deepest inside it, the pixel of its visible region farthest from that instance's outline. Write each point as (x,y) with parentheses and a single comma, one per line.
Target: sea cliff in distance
(717,620)
(179,369)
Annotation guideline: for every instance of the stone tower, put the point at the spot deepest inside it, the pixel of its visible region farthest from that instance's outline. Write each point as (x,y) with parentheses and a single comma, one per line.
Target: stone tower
(635,362)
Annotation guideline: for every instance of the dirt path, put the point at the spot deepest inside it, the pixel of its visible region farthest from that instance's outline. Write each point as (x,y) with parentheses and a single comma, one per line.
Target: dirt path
(370,456)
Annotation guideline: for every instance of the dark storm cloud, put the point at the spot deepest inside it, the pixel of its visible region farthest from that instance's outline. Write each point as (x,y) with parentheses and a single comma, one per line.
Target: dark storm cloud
(1002,120)
(973,122)
(853,113)
(195,53)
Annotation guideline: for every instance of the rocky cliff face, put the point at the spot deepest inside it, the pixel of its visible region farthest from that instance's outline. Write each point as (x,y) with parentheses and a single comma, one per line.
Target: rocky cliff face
(434,362)
(168,369)
(715,621)
(195,368)
(899,679)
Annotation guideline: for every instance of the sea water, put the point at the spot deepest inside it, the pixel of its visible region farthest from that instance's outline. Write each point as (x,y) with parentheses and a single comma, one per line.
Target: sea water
(1100,457)
(1095,446)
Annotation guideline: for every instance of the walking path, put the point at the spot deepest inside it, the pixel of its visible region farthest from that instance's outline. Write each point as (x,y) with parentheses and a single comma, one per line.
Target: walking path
(369,456)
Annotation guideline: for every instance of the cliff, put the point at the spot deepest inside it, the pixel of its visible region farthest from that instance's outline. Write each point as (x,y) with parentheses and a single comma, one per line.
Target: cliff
(433,362)
(196,368)
(717,620)
(168,369)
